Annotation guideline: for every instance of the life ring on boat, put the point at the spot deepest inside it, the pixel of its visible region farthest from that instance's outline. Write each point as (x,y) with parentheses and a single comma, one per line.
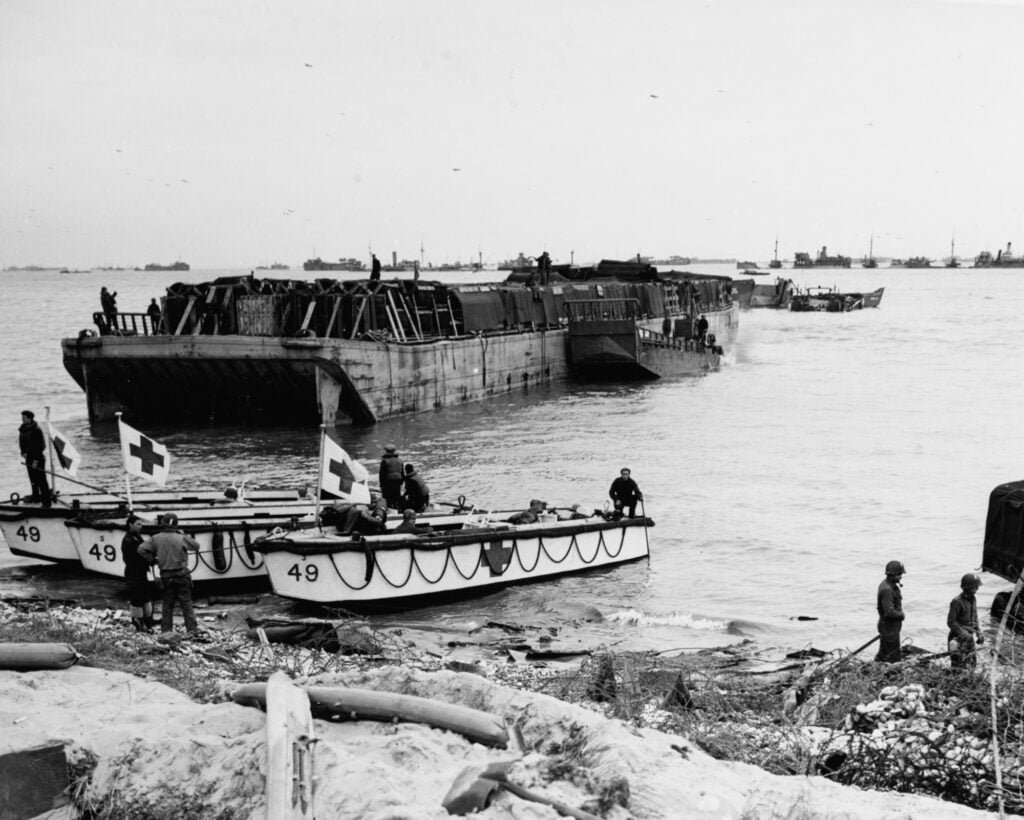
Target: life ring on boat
(15,498)
(86,333)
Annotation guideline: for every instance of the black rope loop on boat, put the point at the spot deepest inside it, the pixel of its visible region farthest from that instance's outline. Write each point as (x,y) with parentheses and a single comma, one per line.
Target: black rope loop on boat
(481,560)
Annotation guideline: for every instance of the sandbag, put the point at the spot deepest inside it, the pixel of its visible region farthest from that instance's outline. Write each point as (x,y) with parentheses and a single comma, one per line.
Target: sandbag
(25,656)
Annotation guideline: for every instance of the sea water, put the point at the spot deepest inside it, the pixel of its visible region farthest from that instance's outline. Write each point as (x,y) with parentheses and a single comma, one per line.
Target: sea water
(827,445)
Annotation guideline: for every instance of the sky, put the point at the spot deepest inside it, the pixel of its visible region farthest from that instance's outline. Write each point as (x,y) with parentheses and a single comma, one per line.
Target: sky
(233,134)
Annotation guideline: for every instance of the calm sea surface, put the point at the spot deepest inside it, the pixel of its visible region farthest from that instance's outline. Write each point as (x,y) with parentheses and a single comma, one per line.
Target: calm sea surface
(827,445)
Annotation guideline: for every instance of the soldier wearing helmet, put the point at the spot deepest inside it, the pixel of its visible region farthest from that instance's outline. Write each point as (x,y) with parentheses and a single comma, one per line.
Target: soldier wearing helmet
(890,613)
(963,624)
(169,549)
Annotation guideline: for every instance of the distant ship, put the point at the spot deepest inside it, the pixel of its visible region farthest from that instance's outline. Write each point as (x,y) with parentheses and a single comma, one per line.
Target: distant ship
(869,261)
(918,262)
(826,261)
(747,265)
(274,266)
(776,262)
(1002,259)
(519,264)
(342,264)
(952,262)
(175,266)
(674,260)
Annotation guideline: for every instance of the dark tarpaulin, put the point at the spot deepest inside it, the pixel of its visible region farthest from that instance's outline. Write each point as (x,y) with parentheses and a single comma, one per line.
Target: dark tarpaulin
(1003,553)
(481,310)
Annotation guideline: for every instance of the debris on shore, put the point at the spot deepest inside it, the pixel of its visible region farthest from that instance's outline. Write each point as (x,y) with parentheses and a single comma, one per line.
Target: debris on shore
(617,734)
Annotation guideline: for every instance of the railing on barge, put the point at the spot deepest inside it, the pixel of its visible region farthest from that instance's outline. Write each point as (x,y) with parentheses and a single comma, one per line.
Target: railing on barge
(400,311)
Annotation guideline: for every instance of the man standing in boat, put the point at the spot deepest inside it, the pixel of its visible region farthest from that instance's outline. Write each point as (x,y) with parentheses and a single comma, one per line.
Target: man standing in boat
(33,449)
(169,550)
(890,614)
(625,493)
(417,493)
(375,268)
(391,476)
(963,624)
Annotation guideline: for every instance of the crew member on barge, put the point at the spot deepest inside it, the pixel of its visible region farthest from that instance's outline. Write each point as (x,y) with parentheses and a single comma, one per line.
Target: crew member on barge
(625,493)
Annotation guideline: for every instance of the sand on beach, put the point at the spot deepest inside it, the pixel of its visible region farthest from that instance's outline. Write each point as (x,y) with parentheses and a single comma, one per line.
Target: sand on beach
(157,750)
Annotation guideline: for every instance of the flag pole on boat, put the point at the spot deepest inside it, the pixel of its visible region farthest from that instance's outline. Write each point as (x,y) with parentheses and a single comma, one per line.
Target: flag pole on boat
(49,450)
(320,477)
(127,477)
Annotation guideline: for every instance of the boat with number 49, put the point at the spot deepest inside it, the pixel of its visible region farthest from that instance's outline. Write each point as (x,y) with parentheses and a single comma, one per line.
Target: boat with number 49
(396,569)
(226,537)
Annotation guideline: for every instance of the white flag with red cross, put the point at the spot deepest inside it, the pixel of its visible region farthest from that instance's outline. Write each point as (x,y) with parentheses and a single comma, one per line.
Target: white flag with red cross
(143,456)
(341,476)
(65,455)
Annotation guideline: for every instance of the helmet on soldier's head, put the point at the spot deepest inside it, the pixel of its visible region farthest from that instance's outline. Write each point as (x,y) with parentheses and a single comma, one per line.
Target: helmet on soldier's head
(895,568)
(970,581)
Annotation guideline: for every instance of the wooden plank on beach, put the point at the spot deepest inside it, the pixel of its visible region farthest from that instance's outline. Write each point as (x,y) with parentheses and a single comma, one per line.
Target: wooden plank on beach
(33,781)
(290,742)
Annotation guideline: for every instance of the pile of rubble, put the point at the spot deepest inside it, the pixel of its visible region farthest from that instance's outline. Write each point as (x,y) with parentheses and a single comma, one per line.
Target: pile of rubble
(918,740)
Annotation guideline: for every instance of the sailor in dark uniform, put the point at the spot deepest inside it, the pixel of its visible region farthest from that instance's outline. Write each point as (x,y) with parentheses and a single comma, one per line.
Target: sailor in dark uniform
(33,450)
(625,493)
(391,475)
(417,494)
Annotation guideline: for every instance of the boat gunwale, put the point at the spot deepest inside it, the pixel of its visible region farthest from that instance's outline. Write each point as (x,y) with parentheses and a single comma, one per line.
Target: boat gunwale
(328,544)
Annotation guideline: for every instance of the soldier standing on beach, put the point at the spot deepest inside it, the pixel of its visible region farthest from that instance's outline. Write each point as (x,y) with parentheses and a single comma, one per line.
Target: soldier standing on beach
(136,573)
(963,624)
(890,613)
(169,550)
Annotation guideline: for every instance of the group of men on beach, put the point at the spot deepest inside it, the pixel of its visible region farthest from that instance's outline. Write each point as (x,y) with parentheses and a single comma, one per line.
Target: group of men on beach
(964,629)
(167,549)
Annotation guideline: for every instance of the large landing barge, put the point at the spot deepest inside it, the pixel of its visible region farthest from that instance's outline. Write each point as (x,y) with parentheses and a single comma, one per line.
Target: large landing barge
(246,350)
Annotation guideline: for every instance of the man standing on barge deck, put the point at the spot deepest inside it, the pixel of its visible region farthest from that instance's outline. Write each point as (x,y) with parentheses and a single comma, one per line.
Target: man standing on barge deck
(890,614)
(33,449)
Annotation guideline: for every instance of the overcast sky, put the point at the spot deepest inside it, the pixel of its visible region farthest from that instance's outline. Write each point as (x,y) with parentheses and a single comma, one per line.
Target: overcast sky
(234,133)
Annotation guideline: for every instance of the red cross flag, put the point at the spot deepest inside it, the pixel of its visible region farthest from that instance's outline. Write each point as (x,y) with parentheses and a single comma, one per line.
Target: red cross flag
(143,456)
(64,453)
(342,477)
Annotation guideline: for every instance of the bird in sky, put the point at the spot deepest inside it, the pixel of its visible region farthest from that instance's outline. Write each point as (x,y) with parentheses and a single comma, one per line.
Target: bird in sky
(308,65)
(654,96)
(456,169)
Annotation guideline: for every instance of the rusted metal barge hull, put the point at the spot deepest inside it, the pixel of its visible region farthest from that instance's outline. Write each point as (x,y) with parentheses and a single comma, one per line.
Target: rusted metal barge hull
(249,378)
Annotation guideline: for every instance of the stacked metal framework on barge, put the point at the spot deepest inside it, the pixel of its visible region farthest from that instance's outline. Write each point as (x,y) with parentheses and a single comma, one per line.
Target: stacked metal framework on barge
(242,349)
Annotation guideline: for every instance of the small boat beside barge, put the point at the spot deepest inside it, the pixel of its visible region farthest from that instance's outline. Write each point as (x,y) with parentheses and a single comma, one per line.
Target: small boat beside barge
(391,570)
(227,539)
(829,300)
(34,531)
